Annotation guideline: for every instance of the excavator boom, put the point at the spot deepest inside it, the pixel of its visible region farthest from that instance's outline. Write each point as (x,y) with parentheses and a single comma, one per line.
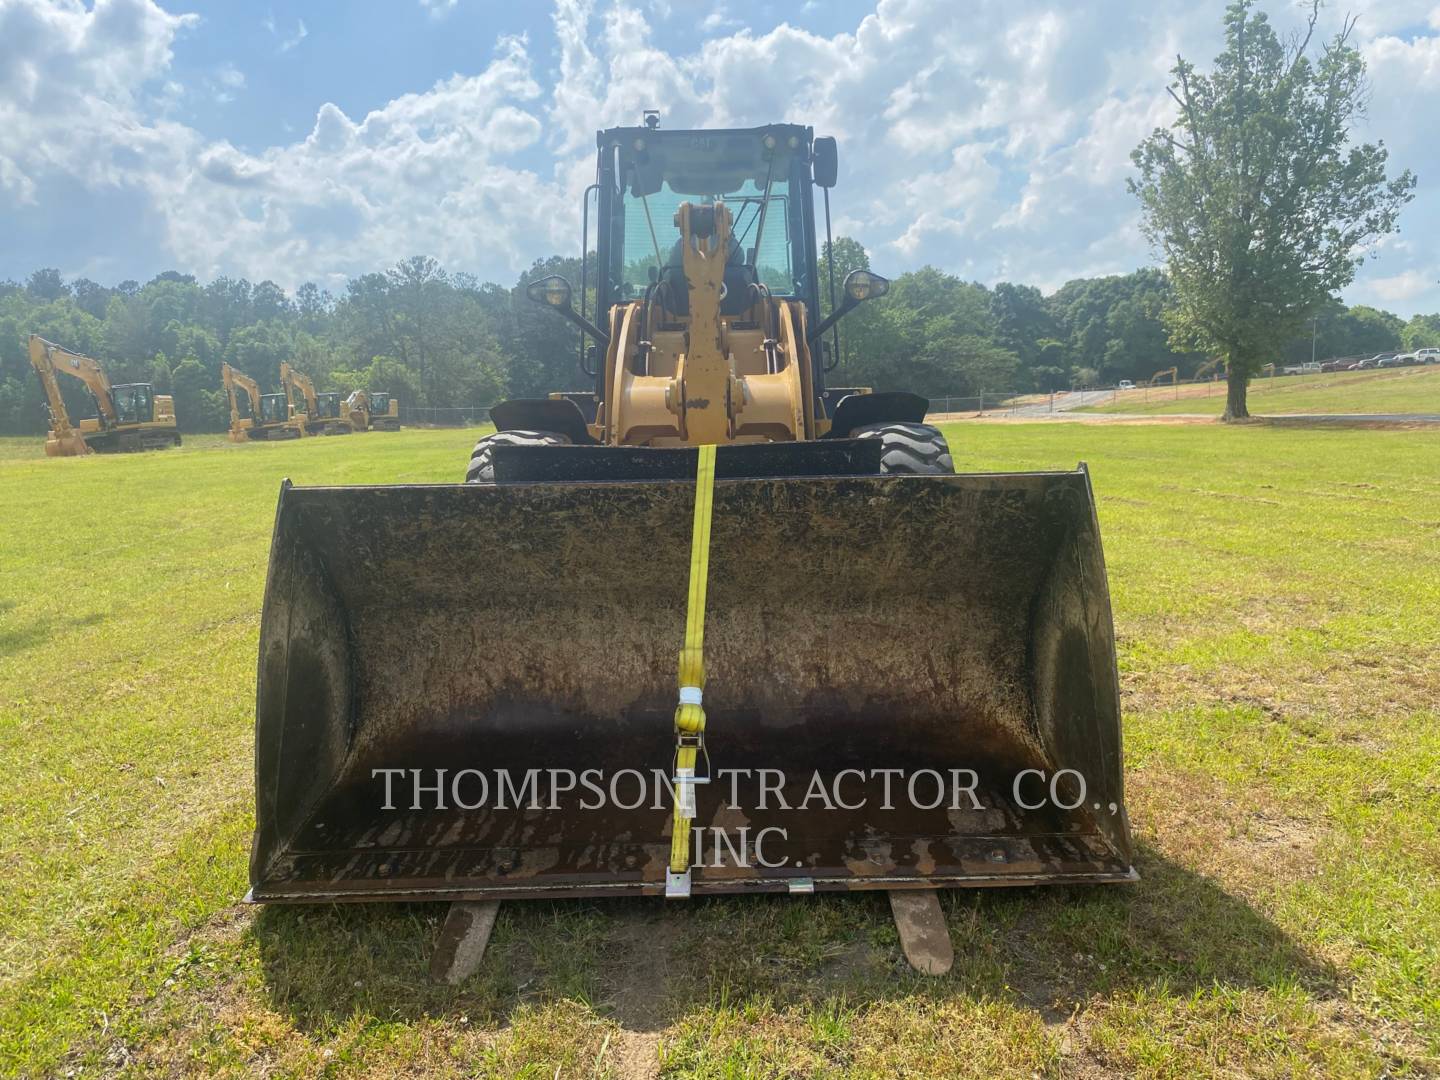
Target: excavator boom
(129,416)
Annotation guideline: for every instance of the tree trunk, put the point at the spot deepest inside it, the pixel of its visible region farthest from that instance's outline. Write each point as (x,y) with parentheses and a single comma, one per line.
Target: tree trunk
(1236,383)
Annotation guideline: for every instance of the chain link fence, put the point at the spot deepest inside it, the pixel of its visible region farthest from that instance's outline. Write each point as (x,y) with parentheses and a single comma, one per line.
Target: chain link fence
(459,416)
(995,403)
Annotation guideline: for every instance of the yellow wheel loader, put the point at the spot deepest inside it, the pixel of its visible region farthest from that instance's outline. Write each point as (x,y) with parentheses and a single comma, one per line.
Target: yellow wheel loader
(265,416)
(372,410)
(128,416)
(730,632)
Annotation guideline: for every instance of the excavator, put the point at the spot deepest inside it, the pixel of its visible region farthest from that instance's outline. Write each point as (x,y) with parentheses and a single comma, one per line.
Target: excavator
(373,410)
(266,416)
(318,413)
(128,416)
(720,629)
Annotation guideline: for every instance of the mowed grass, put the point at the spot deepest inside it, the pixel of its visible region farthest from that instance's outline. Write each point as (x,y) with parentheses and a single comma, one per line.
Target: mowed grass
(1277,601)
(1393,390)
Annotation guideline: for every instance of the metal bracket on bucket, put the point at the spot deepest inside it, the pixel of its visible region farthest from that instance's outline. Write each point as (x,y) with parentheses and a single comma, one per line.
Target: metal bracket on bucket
(677,886)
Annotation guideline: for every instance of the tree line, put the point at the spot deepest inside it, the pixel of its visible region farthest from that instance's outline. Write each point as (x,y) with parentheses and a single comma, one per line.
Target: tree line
(447,340)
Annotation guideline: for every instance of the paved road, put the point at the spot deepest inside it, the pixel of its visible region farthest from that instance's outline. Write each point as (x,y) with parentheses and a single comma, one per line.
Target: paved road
(1060,416)
(1065,402)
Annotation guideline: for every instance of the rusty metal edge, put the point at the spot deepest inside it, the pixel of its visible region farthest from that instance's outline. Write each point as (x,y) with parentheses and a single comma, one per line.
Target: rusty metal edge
(750,885)
(1080,470)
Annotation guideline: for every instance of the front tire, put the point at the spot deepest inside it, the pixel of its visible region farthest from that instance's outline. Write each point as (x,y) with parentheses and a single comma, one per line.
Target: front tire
(909,449)
(482,458)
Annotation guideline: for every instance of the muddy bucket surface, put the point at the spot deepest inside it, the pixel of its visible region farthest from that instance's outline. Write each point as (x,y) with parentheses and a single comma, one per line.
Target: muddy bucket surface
(467,691)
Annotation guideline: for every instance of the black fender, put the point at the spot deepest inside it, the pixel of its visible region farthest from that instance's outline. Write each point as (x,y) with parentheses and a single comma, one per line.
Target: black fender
(543,414)
(859,410)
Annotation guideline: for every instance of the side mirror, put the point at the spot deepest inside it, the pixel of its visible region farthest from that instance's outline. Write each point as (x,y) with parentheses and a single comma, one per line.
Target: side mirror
(825,166)
(553,291)
(863,285)
(860,285)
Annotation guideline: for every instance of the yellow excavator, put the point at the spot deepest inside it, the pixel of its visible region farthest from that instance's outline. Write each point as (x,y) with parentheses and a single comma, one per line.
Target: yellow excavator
(265,416)
(318,413)
(719,629)
(128,416)
(373,410)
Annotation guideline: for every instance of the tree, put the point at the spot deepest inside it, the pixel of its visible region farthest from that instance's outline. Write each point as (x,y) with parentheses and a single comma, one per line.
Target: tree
(1022,320)
(47,285)
(1255,196)
(1422,332)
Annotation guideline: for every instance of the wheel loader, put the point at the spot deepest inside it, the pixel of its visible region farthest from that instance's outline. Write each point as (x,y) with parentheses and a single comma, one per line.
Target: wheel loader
(717,629)
(373,410)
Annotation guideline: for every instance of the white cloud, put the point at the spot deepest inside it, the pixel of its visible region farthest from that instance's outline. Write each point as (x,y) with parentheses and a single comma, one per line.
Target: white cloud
(227,81)
(71,88)
(1408,285)
(287,41)
(717,20)
(438,9)
(990,139)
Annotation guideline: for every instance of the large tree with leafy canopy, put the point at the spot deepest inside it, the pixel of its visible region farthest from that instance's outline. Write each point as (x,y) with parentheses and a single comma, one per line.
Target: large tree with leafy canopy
(1256,197)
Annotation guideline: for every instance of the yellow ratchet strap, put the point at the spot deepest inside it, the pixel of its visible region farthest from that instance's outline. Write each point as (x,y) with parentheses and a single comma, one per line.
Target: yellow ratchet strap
(689,714)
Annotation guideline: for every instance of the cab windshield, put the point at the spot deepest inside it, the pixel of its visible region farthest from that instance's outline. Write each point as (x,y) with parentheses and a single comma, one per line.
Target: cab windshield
(753,180)
(274,409)
(132,403)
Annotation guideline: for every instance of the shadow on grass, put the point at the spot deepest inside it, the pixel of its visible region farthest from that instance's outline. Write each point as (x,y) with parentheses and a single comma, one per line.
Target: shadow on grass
(647,962)
(38,631)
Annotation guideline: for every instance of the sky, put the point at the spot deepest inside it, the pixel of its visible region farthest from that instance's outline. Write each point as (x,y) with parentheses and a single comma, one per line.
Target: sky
(316,141)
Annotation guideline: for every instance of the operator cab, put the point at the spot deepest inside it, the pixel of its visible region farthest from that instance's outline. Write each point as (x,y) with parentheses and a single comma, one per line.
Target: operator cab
(761,174)
(134,403)
(274,409)
(327,406)
(379,402)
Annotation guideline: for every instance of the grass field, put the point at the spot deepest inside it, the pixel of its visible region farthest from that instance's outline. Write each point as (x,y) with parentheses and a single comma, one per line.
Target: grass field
(1277,600)
(1397,390)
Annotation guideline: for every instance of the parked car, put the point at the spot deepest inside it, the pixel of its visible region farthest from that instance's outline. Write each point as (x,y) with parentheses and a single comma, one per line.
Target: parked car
(1389,362)
(1428,356)
(1126,384)
(1336,365)
(1406,359)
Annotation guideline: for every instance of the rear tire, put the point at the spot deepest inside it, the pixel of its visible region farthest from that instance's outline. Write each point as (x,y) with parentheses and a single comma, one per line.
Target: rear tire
(482,458)
(909,449)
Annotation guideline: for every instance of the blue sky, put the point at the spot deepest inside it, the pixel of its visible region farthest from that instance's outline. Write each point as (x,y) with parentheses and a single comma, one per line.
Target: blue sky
(307,141)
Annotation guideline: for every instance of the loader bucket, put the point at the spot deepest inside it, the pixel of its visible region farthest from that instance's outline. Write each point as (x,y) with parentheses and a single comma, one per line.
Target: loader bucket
(918,674)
